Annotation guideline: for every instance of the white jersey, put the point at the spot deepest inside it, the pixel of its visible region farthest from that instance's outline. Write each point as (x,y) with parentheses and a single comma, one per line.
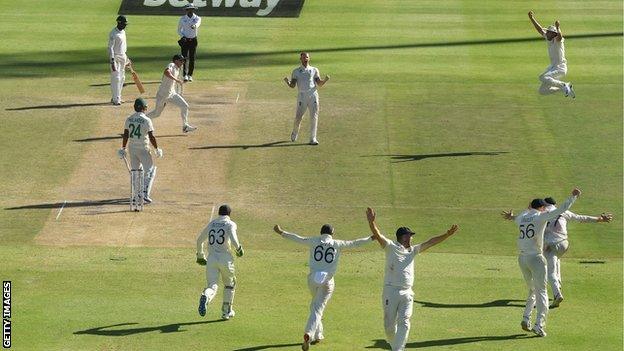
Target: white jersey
(220,234)
(399,270)
(306,78)
(168,85)
(532,224)
(325,250)
(138,126)
(188,26)
(117,43)
(557,229)
(556,51)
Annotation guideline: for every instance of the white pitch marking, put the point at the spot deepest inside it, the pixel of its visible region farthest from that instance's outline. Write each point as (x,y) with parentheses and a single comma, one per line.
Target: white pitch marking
(61,210)
(237,96)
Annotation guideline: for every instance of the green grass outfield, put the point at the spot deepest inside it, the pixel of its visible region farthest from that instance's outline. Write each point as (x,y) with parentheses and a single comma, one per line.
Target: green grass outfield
(431,117)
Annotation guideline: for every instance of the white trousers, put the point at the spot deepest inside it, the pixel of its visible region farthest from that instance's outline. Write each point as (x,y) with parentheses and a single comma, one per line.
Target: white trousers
(533,269)
(175,99)
(553,254)
(118,77)
(321,293)
(220,266)
(397,307)
(140,156)
(550,79)
(310,102)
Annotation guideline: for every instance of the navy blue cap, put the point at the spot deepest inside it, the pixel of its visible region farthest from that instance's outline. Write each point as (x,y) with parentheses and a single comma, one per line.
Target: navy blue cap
(550,200)
(327,229)
(537,203)
(178,57)
(404,231)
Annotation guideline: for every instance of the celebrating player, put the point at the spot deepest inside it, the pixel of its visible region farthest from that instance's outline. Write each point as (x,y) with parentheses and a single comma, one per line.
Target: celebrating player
(398,296)
(167,92)
(323,262)
(556,244)
(307,78)
(220,234)
(558,65)
(532,223)
(139,131)
(118,60)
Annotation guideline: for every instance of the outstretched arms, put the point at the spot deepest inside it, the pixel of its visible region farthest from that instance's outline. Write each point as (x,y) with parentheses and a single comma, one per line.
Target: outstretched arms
(371,216)
(537,26)
(290,236)
(559,36)
(438,239)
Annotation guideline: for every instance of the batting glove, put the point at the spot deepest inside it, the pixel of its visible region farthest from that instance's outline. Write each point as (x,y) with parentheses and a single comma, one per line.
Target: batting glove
(240,252)
(121,153)
(159,153)
(201,261)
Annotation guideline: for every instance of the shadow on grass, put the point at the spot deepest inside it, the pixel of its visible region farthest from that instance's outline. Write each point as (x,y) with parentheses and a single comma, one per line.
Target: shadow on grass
(495,303)
(407,158)
(266,347)
(151,58)
(118,136)
(282,143)
(86,203)
(383,344)
(59,106)
(125,84)
(167,328)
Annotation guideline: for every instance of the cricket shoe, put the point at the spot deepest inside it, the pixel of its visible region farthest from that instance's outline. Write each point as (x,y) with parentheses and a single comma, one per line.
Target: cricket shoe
(557,301)
(187,128)
(147,199)
(227,316)
(525,324)
(314,142)
(186,78)
(202,305)
(571,91)
(539,331)
(306,342)
(293,137)
(190,78)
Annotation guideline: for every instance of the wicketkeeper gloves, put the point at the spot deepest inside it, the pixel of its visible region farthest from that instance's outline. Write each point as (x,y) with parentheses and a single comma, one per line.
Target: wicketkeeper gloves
(240,252)
(201,261)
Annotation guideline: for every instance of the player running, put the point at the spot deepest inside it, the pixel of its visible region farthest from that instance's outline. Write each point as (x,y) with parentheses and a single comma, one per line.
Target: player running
(138,131)
(167,92)
(532,223)
(398,297)
(323,262)
(220,234)
(558,65)
(307,78)
(556,244)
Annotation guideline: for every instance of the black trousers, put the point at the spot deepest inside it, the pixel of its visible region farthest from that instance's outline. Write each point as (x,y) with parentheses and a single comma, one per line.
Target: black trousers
(187,49)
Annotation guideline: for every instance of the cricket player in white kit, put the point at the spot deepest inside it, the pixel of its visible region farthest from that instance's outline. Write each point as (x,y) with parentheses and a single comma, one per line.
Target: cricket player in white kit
(558,68)
(531,224)
(170,92)
(556,244)
(398,297)
(221,236)
(137,135)
(118,60)
(323,261)
(307,79)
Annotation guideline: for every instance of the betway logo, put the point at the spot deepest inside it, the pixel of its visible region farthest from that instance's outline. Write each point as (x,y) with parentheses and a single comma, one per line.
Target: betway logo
(234,8)
(268,6)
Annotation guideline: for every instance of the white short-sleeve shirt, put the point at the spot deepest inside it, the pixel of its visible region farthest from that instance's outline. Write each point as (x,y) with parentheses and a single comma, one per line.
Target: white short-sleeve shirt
(138,126)
(306,78)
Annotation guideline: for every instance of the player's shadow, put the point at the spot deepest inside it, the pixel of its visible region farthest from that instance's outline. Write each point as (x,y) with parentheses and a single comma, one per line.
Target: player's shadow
(118,136)
(266,347)
(167,328)
(282,143)
(125,84)
(495,303)
(383,344)
(58,106)
(86,203)
(407,158)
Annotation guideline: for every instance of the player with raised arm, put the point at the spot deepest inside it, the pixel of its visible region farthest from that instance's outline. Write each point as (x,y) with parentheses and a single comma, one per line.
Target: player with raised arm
(307,79)
(558,67)
(167,92)
(221,236)
(531,224)
(323,261)
(398,297)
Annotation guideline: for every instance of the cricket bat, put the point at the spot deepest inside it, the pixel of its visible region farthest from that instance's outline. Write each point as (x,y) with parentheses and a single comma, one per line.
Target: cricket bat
(137,80)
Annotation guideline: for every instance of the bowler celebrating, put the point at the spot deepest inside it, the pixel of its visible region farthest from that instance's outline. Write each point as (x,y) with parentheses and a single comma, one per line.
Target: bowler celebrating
(558,65)
(323,262)
(398,296)
(220,234)
(307,79)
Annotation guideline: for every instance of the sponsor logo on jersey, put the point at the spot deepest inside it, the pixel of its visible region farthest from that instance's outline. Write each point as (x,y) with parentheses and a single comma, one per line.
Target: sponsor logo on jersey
(225,8)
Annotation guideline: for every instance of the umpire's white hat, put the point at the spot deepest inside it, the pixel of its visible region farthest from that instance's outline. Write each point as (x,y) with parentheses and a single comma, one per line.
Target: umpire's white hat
(190,7)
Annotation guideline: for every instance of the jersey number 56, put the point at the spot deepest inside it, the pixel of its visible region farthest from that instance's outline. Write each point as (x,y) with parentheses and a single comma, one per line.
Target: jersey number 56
(527,232)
